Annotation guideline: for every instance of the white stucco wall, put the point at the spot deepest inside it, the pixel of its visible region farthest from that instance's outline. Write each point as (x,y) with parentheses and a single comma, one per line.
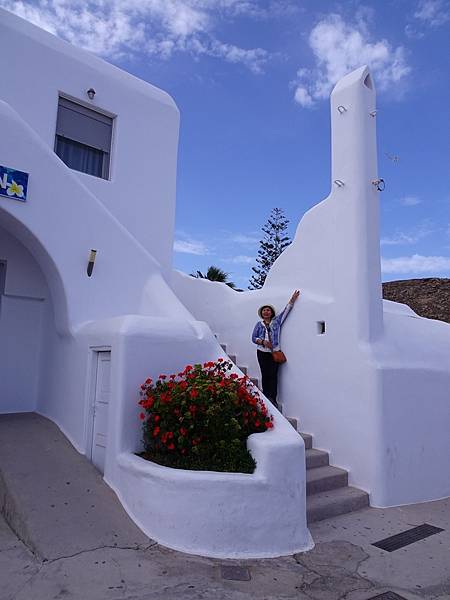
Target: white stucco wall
(373,390)
(126,306)
(141,190)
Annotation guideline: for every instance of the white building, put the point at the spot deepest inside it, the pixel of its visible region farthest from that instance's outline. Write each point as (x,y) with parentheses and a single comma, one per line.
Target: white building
(369,380)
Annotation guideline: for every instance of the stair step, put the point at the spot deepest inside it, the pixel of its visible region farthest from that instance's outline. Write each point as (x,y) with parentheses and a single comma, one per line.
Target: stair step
(316,458)
(322,479)
(335,502)
(293,422)
(307,438)
(327,491)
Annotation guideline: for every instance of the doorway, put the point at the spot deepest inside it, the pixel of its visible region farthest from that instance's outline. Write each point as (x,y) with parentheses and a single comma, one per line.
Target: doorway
(101,397)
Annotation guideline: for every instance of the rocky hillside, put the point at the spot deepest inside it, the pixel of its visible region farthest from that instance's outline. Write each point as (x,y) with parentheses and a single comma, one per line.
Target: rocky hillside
(428,298)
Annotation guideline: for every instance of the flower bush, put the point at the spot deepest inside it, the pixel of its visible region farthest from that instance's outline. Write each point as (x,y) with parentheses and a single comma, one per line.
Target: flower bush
(200,418)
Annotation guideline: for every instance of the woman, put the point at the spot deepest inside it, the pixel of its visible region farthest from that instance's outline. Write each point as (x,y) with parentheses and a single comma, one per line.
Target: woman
(266,335)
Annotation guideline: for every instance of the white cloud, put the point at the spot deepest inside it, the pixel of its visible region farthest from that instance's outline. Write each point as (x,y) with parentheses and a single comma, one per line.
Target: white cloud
(401,238)
(156,27)
(245,239)
(339,48)
(303,97)
(416,264)
(190,246)
(433,12)
(409,201)
(241,259)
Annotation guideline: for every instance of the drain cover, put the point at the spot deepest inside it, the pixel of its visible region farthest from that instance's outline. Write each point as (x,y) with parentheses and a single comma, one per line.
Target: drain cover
(387,596)
(407,537)
(235,573)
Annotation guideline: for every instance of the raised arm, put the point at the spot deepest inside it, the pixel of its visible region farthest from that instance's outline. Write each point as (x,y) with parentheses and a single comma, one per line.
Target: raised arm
(284,313)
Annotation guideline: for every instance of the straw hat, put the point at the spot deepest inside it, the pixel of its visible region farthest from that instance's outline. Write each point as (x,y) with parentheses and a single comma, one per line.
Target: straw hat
(266,306)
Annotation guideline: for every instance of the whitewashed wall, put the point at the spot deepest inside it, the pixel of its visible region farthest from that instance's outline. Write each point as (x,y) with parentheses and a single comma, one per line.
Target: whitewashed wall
(126,306)
(141,191)
(374,389)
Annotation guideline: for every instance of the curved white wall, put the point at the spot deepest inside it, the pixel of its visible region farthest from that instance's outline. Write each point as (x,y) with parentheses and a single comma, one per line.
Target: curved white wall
(127,308)
(373,389)
(214,514)
(141,191)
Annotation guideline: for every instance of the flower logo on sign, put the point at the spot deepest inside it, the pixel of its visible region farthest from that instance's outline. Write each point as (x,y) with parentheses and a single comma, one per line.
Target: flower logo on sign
(14,189)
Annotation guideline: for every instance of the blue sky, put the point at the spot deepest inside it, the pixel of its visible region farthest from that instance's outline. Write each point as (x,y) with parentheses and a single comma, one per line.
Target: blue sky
(252,80)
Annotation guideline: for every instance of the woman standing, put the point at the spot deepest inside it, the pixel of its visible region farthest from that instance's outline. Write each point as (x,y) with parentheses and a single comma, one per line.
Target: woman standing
(266,335)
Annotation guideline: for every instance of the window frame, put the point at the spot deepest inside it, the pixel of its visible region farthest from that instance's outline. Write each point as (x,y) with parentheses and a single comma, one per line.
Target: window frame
(107,155)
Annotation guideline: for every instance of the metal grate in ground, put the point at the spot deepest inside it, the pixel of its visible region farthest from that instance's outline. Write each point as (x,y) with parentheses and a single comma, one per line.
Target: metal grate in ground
(235,573)
(400,540)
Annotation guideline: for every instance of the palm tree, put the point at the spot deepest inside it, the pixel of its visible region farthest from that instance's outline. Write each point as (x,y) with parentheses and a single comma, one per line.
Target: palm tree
(215,274)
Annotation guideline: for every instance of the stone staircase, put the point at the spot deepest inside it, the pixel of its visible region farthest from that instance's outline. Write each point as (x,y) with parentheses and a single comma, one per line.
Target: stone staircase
(327,491)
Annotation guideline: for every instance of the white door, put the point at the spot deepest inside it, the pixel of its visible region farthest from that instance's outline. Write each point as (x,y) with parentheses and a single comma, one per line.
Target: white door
(101,403)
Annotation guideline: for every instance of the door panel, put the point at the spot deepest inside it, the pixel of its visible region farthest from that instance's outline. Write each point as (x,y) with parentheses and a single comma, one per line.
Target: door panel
(101,405)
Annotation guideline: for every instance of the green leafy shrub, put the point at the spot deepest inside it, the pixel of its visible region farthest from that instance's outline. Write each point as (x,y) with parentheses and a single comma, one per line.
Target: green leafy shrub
(200,418)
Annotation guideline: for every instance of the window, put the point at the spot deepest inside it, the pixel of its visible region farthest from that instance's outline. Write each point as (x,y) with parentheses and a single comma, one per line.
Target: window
(83,138)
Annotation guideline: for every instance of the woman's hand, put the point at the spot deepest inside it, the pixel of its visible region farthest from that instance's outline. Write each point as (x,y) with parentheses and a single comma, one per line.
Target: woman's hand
(294,296)
(267,344)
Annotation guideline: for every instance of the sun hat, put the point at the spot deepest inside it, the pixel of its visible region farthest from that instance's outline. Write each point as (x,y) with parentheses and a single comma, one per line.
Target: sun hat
(266,306)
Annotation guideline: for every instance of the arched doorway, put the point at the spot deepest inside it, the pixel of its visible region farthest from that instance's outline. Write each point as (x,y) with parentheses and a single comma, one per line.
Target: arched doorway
(26,325)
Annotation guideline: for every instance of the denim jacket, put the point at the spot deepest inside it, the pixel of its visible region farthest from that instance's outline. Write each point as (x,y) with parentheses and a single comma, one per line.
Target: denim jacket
(259,330)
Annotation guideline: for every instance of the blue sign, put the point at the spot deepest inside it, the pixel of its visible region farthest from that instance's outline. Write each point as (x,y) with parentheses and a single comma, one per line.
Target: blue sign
(13,184)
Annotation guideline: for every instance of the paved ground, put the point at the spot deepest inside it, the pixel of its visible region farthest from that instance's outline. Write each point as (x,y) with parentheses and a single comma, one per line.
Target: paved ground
(78,549)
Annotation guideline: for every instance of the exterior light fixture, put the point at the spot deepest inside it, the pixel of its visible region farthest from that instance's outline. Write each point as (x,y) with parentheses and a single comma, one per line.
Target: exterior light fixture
(91,93)
(91,262)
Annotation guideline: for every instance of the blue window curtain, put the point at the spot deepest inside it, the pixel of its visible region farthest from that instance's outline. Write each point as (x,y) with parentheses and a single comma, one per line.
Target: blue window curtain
(80,157)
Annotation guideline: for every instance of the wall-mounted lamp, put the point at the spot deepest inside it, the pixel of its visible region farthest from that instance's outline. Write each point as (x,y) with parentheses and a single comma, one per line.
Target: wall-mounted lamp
(91,93)
(91,262)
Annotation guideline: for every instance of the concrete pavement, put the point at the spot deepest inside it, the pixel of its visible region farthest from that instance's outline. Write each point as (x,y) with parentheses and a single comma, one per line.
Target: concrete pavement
(73,544)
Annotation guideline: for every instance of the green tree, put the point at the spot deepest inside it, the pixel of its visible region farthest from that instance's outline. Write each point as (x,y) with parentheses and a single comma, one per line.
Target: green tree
(215,274)
(274,242)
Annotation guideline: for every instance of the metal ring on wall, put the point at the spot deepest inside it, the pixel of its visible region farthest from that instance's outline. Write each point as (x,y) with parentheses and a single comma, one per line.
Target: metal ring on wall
(379,184)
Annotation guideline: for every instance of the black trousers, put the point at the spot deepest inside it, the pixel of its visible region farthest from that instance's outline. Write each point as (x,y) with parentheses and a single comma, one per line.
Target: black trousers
(269,375)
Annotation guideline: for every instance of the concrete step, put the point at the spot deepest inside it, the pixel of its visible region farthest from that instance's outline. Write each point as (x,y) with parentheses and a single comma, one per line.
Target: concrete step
(316,458)
(322,479)
(293,422)
(224,347)
(335,502)
(233,358)
(255,381)
(307,438)
(243,369)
